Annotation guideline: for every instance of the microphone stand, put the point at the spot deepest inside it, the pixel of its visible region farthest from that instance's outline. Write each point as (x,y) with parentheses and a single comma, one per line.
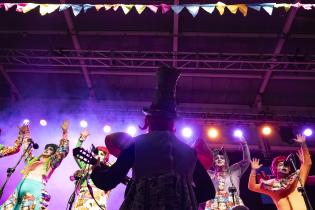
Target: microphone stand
(301,189)
(10,171)
(231,189)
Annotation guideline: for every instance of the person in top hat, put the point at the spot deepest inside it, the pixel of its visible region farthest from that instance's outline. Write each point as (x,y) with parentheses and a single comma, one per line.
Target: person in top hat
(31,191)
(166,173)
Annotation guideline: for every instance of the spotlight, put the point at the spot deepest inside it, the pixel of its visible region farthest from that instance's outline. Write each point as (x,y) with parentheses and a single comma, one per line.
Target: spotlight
(107,129)
(213,133)
(83,124)
(187,132)
(131,130)
(238,133)
(308,132)
(266,130)
(26,121)
(43,122)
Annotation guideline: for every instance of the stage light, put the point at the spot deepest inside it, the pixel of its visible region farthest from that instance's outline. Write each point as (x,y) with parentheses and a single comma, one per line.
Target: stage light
(132,130)
(213,133)
(83,123)
(107,129)
(266,130)
(43,122)
(187,132)
(308,132)
(26,121)
(238,133)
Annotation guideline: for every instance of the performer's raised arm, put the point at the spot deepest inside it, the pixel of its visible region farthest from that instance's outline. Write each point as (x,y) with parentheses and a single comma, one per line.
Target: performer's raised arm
(243,164)
(10,150)
(252,184)
(83,136)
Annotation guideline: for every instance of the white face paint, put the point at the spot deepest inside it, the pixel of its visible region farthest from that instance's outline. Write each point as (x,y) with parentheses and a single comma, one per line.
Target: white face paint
(219,160)
(282,169)
(48,152)
(101,155)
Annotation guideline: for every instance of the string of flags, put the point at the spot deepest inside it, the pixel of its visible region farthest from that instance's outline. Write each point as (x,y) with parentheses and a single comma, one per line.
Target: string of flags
(193,9)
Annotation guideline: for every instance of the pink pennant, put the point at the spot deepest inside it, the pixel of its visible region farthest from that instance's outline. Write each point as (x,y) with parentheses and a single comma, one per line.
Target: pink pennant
(20,6)
(153,8)
(165,8)
(7,6)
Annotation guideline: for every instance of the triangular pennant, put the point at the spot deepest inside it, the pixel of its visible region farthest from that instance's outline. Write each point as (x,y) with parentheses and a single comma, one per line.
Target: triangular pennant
(255,7)
(7,6)
(307,6)
(284,5)
(208,8)
(116,6)
(177,8)
(140,8)
(268,9)
(98,6)
(193,9)
(233,8)
(43,9)
(165,8)
(298,4)
(20,6)
(126,8)
(220,7)
(153,8)
(1,5)
(243,9)
(29,7)
(63,7)
(86,7)
(108,6)
(76,9)
(52,7)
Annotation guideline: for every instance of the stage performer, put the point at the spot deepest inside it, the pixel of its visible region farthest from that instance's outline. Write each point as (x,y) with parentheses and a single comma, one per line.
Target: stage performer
(10,150)
(283,189)
(85,201)
(224,177)
(165,171)
(30,194)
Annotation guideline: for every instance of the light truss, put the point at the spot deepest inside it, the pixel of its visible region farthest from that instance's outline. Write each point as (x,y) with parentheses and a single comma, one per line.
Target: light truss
(146,60)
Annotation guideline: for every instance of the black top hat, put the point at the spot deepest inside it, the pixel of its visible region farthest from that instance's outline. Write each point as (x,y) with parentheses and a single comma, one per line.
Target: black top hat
(164,103)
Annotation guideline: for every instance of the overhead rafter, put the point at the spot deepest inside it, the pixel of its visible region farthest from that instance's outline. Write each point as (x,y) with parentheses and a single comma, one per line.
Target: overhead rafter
(14,90)
(175,35)
(77,46)
(280,43)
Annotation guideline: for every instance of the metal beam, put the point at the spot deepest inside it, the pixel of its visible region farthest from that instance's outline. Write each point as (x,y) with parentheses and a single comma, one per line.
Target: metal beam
(155,34)
(280,43)
(77,46)
(175,35)
(14,89)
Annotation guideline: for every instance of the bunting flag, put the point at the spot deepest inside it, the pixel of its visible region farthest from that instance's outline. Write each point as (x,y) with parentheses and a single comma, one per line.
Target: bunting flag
(193,9)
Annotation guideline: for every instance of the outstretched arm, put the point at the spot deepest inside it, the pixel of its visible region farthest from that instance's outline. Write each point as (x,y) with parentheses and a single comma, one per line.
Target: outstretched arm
(252,185)
(63,148)
(305,158)
(6,151)
(83,136)
(108,178)
(243,164)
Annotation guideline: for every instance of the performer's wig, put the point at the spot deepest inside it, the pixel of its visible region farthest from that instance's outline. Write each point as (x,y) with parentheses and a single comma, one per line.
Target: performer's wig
(275,163)
(105,150)
(54,146)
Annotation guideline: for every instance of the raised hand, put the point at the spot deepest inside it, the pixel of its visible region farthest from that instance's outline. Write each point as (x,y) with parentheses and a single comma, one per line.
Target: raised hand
(84,134)
(255,164)
(300,138)
(65,126)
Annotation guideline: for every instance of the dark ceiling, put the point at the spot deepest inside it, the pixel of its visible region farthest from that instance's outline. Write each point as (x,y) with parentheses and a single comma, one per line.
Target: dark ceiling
(260,61)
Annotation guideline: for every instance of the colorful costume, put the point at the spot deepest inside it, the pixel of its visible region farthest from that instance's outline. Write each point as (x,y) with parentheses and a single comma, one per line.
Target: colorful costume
(85,201)
(284,191)
(222,181)
(5,151)
(30,194)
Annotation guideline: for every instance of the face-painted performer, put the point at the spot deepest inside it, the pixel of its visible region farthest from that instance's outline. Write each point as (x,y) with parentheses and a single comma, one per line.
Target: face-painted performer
(164,168)
(85,201)
(30,194)
(10,150)
(224,176)
(284,188)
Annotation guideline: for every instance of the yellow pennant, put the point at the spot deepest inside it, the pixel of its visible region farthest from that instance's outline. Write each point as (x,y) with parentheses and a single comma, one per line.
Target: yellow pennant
(232,8)
(140,8)
(108,6)
(220,7)
(126,8)
(98,6)
(29,7)
(284,5)
(47,8)
(243,9)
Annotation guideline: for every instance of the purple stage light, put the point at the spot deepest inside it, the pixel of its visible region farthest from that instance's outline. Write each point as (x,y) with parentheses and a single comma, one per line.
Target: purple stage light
(308,132)
(132,130)
(187,132)
(107,129)
(43,122)
(83,123)
(238,133)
